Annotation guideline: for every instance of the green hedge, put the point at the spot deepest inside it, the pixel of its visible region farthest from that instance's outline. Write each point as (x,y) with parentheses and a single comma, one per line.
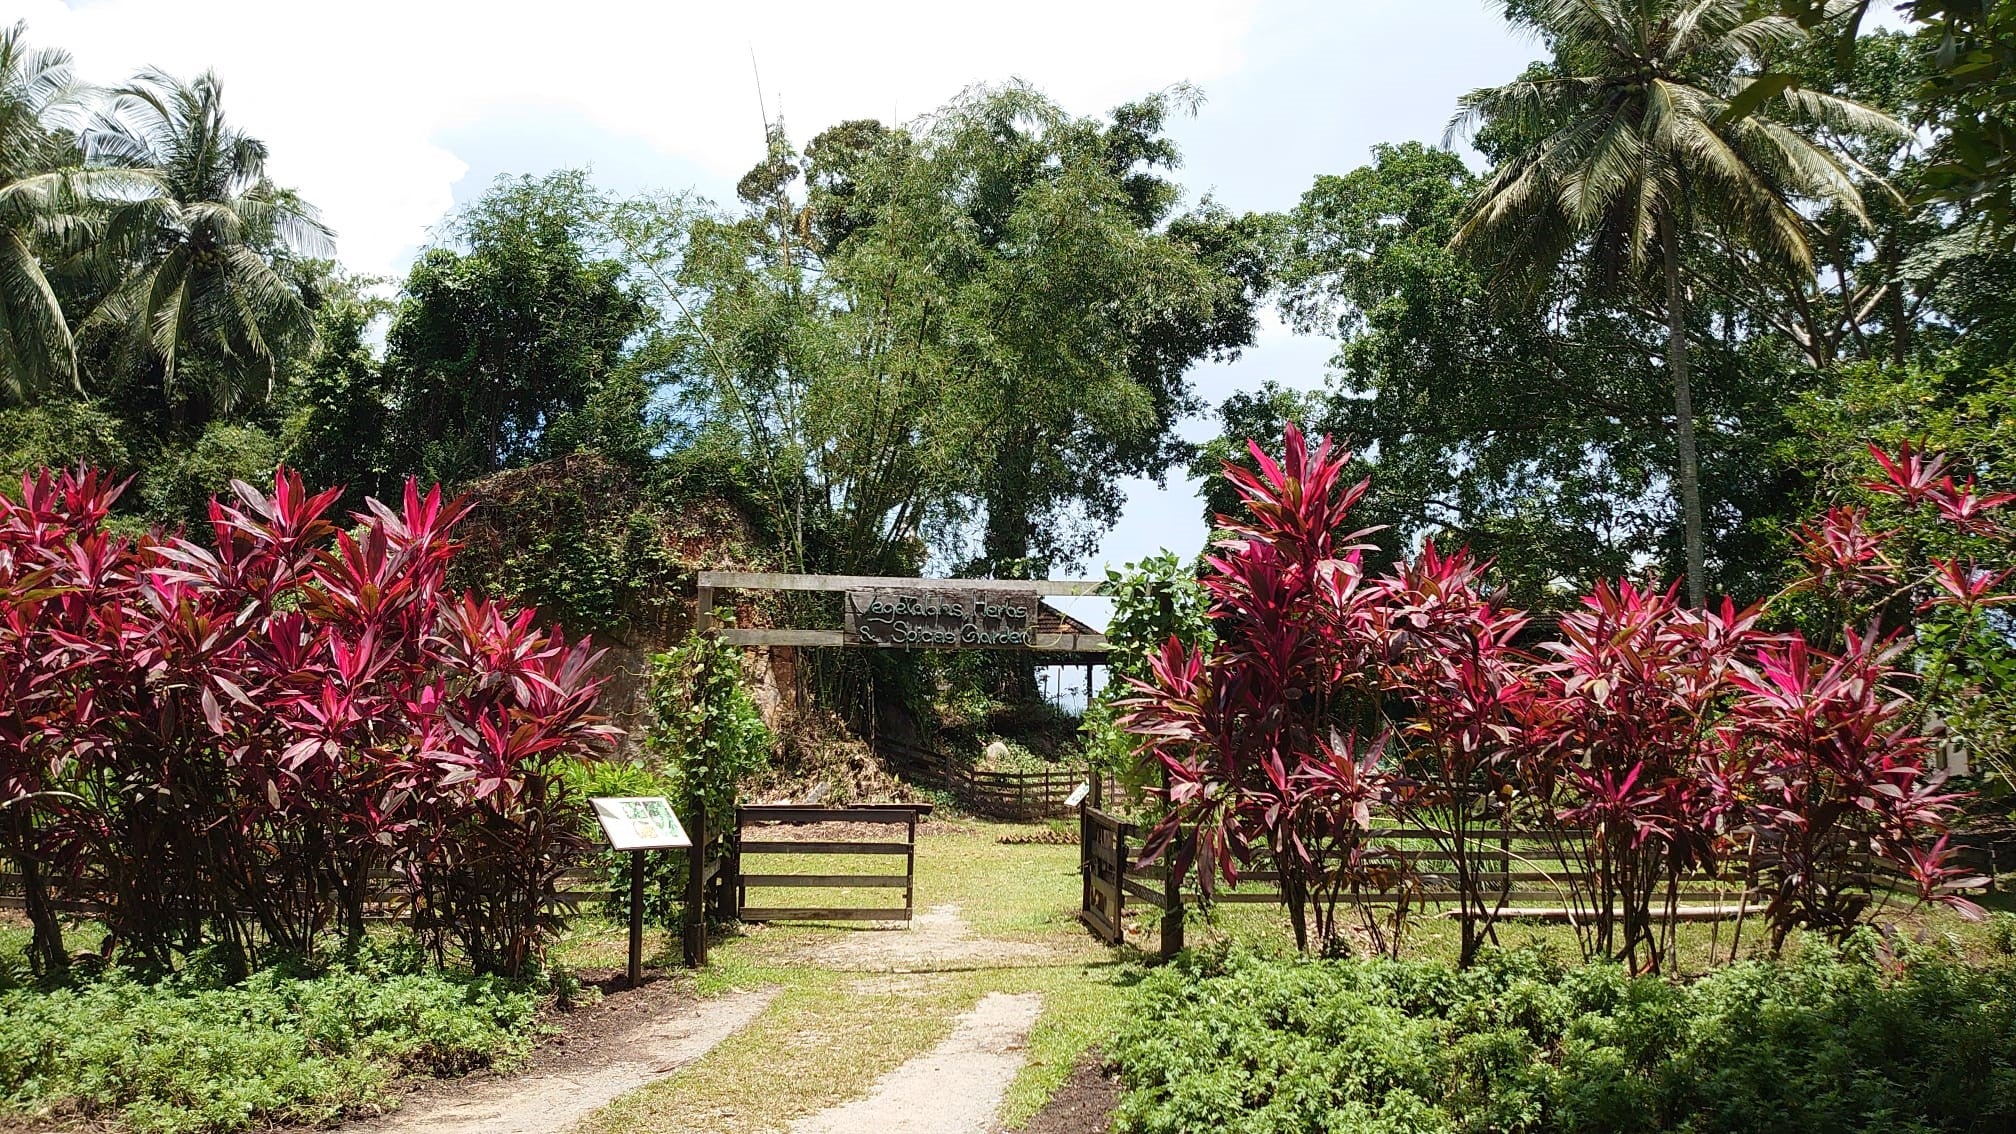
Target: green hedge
(188,1055)
(1833,1041)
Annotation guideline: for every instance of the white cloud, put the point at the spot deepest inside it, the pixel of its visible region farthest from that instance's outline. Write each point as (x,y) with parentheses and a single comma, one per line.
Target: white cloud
(353,98)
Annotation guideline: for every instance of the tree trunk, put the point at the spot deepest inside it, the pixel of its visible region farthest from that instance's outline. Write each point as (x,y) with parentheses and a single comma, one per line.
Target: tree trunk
(1683,417)
(46,954)
(1005,549)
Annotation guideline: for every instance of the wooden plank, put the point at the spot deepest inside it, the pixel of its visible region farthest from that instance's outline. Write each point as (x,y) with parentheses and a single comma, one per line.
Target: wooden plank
(1563,913)
(829,881)
(1150,894)
(785,846)
(778,636)
(786,636)
(777,581)
(772,813)
(792,913)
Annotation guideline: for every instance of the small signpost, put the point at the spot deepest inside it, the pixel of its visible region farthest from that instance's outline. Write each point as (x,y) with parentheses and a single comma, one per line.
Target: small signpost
(640,825)
(1078,795)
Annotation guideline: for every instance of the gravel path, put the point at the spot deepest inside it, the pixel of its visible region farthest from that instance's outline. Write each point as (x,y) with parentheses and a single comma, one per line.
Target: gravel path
(546,1102)
(955,1088)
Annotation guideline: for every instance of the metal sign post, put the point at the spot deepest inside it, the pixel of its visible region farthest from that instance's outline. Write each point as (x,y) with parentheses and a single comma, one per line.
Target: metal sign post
(640,825)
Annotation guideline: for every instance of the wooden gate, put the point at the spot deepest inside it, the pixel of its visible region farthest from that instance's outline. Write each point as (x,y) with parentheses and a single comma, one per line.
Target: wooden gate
(1103,861)
(756,830)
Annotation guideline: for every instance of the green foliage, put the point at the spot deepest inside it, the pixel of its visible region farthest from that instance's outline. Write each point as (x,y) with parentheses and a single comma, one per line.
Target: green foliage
(1969,88)
(706,731)
(59,433)
(589,545)
(1825,1043)
(509,332)
(974,327)
(205,302)
(1967,659)
(337,404)
(665,874)
(1155,599)
(190,1054)
(180,483)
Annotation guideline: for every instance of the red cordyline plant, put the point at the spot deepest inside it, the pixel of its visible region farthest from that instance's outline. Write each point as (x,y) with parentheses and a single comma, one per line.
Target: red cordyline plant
(1827,751)
(1262,735)
(1452,673)
(1618,743)
(1649,742)
(226,743)
(1827,775)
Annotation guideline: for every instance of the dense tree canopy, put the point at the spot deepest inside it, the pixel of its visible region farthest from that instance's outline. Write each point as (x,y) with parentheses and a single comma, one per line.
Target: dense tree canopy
(948,342)
(1536,422)
(506,331)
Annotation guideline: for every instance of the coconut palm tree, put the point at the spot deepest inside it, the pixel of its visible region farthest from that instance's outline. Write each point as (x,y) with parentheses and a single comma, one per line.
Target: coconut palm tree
(1657,119)
(202,249)
(36,350)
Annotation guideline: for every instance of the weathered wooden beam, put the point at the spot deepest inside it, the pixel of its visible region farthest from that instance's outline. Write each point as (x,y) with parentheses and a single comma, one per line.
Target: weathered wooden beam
(830,881)
(775,637)
(788,846)
(777,581)
(798,913)
(1045,643)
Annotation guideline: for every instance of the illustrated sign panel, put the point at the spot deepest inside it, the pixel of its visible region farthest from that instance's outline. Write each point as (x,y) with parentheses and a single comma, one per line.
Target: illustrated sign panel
(640,823)
(925,618)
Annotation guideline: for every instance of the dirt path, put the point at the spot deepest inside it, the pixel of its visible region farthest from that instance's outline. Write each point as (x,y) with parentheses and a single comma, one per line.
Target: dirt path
(955,1088)
(935,938)
(549,1101)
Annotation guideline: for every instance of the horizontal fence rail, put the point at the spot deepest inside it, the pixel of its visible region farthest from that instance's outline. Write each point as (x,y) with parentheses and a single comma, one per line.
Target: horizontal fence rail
(997,795)
(1523,874)
(756,828)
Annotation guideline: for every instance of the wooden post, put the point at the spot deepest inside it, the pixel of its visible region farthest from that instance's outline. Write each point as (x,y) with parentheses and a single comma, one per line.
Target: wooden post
(1118,912)
(696,891)
(1084,860)
(639,864)
(910,871)
(703,610)
(741,888)
(1172,898)
(731,883)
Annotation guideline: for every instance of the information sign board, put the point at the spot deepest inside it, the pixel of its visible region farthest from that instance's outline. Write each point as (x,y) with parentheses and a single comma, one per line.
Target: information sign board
(640,823)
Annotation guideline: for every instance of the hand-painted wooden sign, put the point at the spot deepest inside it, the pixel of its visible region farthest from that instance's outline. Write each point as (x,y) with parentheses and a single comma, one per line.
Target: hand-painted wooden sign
(640,823)
(942,617)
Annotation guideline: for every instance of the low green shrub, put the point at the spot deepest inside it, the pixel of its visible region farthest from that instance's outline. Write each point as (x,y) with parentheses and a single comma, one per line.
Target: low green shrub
(188,1055)
(1832,1041)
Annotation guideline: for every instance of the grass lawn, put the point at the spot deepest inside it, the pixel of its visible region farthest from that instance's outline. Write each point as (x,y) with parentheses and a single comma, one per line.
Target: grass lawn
(840,1021)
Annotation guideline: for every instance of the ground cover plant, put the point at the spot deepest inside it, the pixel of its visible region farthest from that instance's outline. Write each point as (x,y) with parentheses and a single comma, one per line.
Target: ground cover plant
(1827,1040)
(196,1053)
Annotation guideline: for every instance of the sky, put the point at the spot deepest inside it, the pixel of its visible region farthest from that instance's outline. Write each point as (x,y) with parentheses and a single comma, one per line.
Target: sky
(386,115)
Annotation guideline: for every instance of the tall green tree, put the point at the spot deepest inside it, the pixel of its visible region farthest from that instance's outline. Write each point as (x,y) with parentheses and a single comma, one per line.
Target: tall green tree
(202,294)
(948,341)
(36,87)
(507,332)
(336,404)
(1650,125)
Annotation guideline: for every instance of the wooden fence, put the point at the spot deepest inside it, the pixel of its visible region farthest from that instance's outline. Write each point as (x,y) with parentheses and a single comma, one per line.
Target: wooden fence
(1528,875)
(708,889)
(996,795)
(764,819)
